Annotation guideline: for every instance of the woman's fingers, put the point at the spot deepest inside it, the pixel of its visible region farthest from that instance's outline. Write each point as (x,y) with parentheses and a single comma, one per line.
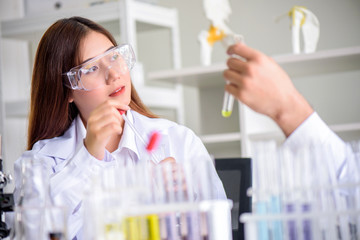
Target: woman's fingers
(168,160)
(173,176)
(102,123)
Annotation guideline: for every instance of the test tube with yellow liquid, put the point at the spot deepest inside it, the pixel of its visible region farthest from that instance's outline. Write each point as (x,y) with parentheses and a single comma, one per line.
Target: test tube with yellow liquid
(114,231)
(228,101)
(133,228)
(142,227)
(154,226)
(228,104)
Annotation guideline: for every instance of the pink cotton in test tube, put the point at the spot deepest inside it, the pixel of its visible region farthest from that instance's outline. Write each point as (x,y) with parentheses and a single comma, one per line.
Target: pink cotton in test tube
(153,142)
(154,138)
(121,111)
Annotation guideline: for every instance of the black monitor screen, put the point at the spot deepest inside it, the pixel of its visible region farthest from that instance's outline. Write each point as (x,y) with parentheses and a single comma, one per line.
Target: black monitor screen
(235,174)
(231,179)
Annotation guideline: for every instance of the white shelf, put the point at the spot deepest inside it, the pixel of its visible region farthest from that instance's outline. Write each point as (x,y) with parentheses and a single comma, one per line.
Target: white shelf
(327,61)
(15,109)
(236,136)
(153,16)
(223,137)
(345,127)
(278,135)
(321,62)
(193,76)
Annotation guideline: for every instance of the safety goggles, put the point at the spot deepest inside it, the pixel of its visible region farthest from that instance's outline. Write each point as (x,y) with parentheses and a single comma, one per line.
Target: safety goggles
(95,73)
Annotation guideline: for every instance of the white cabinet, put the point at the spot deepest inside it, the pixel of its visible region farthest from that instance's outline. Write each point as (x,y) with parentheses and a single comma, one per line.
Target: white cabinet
(125,19)
(311,73)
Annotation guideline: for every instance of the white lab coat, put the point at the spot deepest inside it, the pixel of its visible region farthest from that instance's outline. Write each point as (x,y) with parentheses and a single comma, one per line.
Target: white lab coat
(70,165)
(315,132)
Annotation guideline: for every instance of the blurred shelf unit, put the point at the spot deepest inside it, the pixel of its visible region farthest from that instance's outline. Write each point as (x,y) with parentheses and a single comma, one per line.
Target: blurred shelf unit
(222,137)
(125,11)
(254,126)
(328,61)
(345,127)
(16,109)
(125,19)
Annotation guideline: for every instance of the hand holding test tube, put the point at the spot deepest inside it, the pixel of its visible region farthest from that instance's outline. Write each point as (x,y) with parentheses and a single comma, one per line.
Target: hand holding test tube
(228,101)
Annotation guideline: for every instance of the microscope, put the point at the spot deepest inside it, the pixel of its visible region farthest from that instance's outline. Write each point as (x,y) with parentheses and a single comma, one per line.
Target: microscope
(6,199)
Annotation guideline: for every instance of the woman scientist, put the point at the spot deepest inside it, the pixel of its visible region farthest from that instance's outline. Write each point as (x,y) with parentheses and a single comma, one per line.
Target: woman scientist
(80,82)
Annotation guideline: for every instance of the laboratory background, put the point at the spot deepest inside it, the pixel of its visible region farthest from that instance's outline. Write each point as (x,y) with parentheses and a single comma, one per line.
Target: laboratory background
(169,75)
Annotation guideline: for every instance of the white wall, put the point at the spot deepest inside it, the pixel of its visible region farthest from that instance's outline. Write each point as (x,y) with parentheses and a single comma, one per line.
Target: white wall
(335,96)
(10,9)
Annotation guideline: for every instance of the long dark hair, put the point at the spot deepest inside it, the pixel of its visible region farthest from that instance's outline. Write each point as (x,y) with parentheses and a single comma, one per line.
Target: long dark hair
(50,111)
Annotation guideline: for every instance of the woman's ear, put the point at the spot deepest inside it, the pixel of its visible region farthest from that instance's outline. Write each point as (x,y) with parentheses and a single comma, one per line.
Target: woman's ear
(71,98)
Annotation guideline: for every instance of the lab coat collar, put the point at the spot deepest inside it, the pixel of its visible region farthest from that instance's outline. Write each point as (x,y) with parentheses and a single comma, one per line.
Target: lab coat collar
(128,139)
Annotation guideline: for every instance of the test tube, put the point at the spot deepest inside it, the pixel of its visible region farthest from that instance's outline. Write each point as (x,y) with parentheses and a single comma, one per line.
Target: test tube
(171,218)
(153,155)
(228,101)
(260,193)
(339,200)
(327,226)
(228,104)
(164,195)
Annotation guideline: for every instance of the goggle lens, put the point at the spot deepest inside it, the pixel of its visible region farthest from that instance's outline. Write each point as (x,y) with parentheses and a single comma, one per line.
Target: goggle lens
(95,73)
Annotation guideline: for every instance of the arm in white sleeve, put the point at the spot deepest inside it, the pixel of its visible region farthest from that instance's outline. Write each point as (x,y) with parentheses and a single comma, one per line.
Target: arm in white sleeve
(68,181)
(314,131)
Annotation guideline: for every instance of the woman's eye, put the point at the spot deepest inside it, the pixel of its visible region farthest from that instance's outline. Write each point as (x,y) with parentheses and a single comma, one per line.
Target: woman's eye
(114,57)
(90,69)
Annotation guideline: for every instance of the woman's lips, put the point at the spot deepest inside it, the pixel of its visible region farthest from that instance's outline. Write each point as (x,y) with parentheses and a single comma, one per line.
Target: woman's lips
(118,92)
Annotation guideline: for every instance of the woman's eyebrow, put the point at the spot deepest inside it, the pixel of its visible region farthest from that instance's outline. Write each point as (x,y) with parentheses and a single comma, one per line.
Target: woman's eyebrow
(87,60)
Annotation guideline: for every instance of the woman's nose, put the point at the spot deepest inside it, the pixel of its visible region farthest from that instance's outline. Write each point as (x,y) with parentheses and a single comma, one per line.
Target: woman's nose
(111,74)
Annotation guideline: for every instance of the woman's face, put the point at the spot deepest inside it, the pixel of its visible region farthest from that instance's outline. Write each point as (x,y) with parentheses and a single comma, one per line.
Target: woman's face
(117,86)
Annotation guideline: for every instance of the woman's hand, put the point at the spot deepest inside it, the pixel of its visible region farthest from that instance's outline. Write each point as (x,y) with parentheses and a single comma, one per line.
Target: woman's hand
(174,177)
(170,160)
(104,124)
(260,83)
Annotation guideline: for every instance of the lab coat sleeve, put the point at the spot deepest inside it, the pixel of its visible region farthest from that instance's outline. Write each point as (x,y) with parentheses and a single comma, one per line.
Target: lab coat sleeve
(69,185)
(68,181)
(314,131)
(188,148)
